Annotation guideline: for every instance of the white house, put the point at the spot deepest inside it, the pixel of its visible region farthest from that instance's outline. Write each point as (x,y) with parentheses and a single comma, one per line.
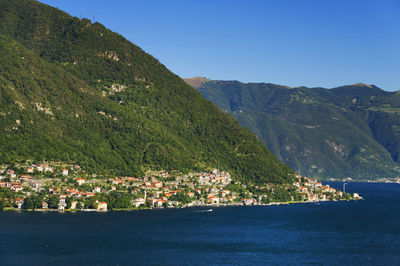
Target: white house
(61,199)
(138,202)
(102,206)
(313,197)
(48,169)
(248,201)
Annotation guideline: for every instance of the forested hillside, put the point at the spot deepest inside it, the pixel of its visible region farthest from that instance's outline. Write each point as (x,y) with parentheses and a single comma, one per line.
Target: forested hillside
(74,91)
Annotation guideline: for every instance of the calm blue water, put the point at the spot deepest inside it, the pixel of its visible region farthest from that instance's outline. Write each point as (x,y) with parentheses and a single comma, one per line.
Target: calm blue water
(353,233)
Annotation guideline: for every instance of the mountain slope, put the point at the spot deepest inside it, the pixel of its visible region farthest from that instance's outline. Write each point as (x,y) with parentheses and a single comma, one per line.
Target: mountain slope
(196,82)
(350,131)
(76,92)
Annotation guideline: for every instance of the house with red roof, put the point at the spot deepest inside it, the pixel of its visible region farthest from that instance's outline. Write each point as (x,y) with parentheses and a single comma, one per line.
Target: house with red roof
(118,181)
(19,202)
(225,192)
(213,200)
(25,178)
(16,187)
(80,181)
(156,184)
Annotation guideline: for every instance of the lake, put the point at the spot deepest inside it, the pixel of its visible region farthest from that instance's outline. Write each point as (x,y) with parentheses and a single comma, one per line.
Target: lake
(363,232)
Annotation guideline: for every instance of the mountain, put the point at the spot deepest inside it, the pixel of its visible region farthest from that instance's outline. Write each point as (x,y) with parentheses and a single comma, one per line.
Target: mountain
(73,91)
(350,131)
(196,82)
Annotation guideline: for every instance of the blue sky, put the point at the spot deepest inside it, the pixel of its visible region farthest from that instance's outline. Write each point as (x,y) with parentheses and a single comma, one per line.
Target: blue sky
(308,42)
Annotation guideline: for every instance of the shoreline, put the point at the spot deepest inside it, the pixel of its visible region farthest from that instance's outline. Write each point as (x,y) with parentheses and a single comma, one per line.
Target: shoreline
(362,181)
(202,189)
(210,206)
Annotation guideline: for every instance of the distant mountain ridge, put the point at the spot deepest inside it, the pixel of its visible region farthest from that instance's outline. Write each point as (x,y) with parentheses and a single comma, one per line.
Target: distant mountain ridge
(73,91)
(196,82)
(349,131)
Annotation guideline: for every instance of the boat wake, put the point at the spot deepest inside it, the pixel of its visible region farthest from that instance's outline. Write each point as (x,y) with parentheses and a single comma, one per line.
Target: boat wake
(209,210)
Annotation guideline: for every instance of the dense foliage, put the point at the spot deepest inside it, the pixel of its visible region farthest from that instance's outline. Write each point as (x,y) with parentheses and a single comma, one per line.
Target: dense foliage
(351,131)
(181,197)
(73,91)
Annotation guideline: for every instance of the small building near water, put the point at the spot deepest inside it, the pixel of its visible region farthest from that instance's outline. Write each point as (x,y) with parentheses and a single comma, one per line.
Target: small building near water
(102,206)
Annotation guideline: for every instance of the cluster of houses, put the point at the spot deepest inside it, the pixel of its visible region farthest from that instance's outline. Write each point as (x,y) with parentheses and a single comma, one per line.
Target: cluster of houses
(200,188)
(10,173)
(213,178)
(45,168)
(314,191)
(12,186)
(158,190)
(61,195)
(39,168)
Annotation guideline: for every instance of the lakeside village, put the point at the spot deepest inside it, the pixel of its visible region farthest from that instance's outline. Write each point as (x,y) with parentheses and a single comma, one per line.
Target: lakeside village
(377,180)
(44,187)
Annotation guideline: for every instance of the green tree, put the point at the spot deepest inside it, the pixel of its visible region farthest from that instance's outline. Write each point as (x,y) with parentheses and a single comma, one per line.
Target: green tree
(90,203)
(281,194)
(147,204)
(265,200)
(68,200)
(28,203)
(118,200)
(181,197)
(53,202)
